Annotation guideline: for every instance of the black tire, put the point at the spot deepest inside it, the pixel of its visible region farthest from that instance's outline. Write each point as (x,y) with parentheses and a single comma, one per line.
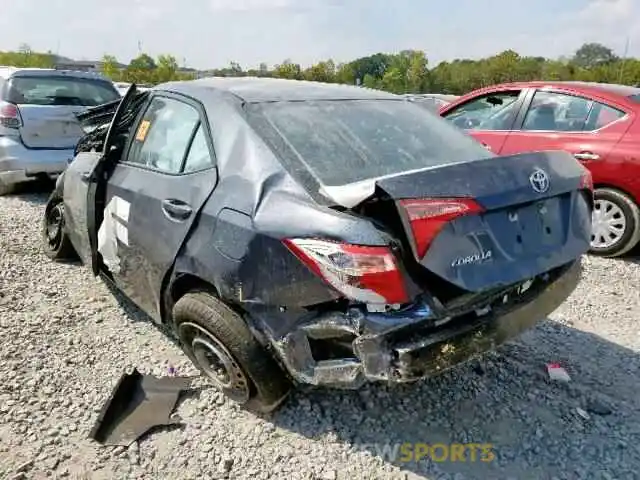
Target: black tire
(631,213)
(55,240)
(252,377)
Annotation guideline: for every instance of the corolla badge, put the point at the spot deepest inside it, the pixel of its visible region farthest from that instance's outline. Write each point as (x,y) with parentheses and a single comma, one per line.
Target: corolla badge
(472,259)
(539,180)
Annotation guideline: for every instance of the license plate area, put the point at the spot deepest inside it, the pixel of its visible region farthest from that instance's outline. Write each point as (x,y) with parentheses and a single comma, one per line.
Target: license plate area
(537,224)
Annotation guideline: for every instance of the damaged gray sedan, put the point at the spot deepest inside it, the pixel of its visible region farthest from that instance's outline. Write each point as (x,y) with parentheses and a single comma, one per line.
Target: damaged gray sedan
(293,232)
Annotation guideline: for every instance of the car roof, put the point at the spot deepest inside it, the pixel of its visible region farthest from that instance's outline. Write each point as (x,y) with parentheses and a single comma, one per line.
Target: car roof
(6,72)
(261,90)
(586,87)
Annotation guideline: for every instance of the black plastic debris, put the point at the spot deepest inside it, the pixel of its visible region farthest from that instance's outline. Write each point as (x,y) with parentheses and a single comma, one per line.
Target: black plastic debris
(137,404)
(598,407)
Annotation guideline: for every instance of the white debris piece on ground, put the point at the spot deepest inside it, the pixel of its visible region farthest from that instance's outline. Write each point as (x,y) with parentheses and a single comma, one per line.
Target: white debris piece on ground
(583,413)
(66,340)
(557,373)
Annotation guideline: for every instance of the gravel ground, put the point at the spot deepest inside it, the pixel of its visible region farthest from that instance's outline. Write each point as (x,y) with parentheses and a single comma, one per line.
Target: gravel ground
(67,340)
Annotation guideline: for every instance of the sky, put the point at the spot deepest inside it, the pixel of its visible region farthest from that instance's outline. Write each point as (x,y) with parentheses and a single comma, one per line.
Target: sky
(212,33)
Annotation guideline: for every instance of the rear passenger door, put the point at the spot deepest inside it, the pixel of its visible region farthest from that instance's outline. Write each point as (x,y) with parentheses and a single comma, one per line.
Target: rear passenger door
(488,117)
(588,128)
(154,195)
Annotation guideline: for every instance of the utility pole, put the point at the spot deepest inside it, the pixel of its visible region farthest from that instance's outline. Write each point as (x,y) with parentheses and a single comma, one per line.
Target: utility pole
(624,60)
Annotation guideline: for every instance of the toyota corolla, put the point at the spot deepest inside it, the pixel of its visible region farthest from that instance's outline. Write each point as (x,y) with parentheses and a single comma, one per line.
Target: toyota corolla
(293,232)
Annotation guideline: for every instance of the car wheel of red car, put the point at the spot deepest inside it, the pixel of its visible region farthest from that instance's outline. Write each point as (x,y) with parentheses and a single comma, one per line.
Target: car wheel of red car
(221,346)
(616,223)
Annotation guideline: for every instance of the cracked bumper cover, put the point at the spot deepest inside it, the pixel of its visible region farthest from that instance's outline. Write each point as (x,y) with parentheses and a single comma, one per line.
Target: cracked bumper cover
(416,349)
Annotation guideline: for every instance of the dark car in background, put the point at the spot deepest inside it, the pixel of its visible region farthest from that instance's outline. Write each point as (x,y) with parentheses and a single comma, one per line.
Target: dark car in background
(298,232)
(597,123)
(38,126)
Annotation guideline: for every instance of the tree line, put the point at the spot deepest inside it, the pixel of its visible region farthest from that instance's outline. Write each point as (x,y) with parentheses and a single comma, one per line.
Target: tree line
(405,72)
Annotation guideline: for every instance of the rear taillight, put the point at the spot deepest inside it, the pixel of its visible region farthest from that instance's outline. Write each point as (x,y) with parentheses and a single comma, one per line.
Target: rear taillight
(586,181)
(10,115)
(428,216)
(362,273)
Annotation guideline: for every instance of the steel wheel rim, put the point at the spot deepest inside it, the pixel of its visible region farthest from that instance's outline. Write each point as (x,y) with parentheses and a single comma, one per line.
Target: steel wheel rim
(213,358)
(608,224)
(54,226)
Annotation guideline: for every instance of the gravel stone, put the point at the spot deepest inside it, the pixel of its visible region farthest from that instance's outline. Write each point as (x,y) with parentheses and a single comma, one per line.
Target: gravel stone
(67,339)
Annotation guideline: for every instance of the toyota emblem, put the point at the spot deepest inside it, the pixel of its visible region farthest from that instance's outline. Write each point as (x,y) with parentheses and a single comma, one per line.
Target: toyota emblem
(539,180)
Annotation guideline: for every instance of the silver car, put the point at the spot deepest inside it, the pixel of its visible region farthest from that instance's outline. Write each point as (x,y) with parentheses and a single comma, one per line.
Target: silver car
(38,127)
(431,101)
(124,86)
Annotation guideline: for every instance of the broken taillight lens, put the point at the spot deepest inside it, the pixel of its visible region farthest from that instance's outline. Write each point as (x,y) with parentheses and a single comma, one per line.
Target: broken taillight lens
(362,273)
(10,115)
(428,216)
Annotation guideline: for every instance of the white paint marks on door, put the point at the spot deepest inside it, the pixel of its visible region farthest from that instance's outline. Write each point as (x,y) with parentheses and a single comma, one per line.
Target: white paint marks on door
(114,229)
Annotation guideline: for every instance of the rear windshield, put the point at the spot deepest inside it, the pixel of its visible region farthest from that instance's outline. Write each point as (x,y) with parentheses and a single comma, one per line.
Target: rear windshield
(58,90)
(341,142)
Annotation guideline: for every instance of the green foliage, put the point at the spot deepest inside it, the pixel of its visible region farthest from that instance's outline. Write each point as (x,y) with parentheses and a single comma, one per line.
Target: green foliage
(110,68)
(592,55)
(289,70)
(405,72)
(25,57)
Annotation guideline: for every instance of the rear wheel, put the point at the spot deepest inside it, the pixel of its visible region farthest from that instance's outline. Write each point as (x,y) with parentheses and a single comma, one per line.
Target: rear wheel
(616,223)
(222,347)
(56,242)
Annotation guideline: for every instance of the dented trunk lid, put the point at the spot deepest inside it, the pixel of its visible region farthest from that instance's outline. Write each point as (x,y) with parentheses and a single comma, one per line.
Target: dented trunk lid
(519,234)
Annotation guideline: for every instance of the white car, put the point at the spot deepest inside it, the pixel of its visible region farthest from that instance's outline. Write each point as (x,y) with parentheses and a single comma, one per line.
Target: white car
(122,87)
(431,101)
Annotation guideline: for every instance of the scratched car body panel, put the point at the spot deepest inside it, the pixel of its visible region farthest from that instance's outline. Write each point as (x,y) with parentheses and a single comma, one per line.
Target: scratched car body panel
(361,237)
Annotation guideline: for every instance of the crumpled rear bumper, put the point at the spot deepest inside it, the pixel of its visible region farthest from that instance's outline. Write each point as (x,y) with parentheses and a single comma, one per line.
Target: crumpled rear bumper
(418,348)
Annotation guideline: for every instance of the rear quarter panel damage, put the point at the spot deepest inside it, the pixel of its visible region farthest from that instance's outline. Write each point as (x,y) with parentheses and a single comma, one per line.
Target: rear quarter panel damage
(236,245)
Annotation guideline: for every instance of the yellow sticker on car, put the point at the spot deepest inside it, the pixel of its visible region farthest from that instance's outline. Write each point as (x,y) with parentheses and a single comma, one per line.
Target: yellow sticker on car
(142,130)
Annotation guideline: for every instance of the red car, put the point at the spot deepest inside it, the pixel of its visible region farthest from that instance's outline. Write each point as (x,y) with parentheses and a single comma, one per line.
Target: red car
(598,123)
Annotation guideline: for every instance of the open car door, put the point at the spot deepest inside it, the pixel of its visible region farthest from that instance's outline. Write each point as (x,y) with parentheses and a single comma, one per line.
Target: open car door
(86,177)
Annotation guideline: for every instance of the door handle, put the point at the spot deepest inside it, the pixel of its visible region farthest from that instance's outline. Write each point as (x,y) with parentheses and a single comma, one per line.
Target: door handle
(486,146)
(586,156)
(176,209)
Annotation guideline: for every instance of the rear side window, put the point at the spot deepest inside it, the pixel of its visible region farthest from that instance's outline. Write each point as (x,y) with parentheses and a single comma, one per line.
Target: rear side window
(58,91)
(603,115)
(341,142)
(199,156)
(559,112)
